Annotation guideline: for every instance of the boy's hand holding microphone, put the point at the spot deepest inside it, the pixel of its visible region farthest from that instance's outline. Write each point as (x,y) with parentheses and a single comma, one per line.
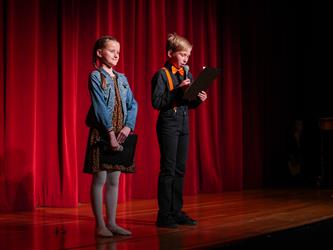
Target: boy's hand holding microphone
(186,83)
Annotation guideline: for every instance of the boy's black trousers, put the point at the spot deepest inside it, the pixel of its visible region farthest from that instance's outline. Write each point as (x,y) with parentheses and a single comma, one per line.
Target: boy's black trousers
(173,135)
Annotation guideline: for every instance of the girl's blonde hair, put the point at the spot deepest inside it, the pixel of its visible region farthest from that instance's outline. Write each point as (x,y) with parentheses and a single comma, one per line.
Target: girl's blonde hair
(100,44)
(177,43)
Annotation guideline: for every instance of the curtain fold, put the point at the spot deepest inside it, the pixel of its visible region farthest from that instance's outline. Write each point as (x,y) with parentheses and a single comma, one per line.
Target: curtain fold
(46,51)
(3,202)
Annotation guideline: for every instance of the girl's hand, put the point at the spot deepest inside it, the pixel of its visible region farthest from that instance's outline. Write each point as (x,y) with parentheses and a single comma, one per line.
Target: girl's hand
(124,132)
(202,96)
(114,143)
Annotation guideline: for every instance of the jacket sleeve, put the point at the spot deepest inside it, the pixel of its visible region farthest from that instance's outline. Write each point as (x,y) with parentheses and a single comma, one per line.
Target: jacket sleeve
(101,110)
(132,109)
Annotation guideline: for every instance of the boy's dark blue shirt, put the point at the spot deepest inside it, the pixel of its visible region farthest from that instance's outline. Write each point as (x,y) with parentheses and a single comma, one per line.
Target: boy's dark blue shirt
(162,98)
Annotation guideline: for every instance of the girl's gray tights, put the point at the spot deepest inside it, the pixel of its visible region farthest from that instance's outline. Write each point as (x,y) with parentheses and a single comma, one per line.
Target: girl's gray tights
(111,181)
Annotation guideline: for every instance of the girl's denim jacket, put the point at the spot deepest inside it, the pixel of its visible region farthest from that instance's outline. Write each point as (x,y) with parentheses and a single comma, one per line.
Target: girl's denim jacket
(101,110)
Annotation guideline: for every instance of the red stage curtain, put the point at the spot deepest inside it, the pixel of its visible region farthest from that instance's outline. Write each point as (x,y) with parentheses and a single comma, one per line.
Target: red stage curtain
(46,51)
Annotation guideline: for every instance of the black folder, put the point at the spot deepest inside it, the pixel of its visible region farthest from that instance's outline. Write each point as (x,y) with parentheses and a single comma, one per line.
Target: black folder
(125,157)
(202,83)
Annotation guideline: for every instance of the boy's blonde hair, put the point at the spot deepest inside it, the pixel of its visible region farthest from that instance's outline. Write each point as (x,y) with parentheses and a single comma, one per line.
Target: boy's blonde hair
(177,43)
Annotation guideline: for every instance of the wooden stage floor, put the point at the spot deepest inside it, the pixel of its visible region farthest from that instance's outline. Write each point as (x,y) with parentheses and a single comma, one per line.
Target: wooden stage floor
(224,219)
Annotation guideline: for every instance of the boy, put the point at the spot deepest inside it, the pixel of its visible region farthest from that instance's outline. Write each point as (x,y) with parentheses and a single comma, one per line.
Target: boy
(168,85)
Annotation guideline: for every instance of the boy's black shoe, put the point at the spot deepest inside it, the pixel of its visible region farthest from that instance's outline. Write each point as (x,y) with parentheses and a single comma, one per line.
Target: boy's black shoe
(167,221)
(183,219)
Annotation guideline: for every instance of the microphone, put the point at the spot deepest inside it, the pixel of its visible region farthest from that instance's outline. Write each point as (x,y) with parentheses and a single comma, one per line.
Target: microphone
(186,69)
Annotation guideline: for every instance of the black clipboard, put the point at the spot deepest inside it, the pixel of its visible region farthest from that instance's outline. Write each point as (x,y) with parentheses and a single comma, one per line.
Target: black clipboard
(202,83)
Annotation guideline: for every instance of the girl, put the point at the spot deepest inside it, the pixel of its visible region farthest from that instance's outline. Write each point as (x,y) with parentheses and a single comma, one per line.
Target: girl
(111,117)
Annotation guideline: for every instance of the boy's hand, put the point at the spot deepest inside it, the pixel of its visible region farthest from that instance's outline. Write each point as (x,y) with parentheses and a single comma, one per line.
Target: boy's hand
(202,96)
(185,84)
(124,132)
